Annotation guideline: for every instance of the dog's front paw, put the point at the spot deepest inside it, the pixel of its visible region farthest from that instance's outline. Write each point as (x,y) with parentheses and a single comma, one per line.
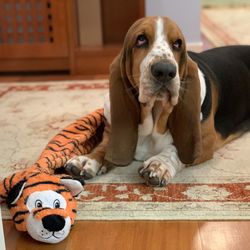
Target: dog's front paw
(155,173)
(82,166)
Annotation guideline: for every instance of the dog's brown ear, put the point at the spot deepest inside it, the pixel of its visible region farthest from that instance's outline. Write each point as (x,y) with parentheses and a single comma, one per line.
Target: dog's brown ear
(184,122)
(124,110)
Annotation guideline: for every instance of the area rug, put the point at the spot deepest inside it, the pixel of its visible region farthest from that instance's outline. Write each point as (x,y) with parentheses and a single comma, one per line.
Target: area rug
(32,113)
(226,25)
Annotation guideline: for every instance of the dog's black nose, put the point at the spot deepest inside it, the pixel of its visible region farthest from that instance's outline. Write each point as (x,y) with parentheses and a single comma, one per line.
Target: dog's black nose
(163,71)
(53,223)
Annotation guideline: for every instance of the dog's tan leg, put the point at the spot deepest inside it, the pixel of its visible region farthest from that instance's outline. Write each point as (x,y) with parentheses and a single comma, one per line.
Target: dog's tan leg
(88,166)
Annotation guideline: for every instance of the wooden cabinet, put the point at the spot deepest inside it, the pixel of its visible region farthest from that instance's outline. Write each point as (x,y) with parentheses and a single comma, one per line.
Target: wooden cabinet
(80,36)
(33,35)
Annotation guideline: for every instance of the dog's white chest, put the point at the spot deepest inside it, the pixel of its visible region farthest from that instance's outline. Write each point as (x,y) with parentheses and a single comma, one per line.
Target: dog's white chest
(152,144)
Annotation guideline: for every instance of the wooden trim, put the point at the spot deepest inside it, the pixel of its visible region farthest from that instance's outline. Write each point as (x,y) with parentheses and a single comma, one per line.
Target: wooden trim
(94,60)
(18,65)
(142,8)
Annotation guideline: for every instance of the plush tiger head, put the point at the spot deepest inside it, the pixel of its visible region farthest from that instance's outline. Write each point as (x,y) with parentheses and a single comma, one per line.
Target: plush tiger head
(41,204)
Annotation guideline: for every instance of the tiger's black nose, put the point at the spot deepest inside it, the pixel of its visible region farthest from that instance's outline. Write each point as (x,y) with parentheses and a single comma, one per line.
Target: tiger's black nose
(53,223)
(163,71)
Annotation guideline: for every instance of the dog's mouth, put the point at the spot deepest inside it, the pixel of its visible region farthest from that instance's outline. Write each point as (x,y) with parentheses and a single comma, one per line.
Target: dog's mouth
(166,94)
(161,92)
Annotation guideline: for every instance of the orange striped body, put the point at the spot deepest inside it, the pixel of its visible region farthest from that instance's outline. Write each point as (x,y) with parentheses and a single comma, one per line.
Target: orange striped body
(42,202)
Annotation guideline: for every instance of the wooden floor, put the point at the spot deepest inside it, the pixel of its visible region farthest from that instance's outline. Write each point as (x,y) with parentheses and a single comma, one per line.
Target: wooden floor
(141,235)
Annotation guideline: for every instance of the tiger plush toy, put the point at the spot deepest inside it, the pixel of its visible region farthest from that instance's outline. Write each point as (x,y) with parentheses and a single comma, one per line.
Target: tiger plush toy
(42,202)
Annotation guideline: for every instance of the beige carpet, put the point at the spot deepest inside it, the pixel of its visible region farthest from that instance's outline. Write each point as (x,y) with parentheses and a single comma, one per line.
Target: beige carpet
(31,113)
(226,25)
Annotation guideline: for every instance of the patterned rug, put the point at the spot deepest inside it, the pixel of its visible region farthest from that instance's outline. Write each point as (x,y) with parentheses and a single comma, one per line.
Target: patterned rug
(226,25)
(31,113)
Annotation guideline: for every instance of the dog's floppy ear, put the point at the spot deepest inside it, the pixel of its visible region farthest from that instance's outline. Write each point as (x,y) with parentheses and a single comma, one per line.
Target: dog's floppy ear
(124,110)
(184,122)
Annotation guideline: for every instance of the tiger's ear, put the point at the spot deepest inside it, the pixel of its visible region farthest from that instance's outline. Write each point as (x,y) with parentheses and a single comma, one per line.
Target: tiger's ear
(124,110)
(74,186)
(15,193)
(184,122)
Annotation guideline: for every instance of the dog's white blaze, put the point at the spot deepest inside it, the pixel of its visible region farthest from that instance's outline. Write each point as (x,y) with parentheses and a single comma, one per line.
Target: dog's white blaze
(161,47)
(160,51)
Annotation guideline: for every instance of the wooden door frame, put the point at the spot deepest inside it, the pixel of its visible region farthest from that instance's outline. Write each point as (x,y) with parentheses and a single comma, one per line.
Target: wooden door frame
(90,60)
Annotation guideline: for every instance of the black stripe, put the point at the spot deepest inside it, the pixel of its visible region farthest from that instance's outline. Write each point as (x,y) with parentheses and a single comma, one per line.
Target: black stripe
(57,143)
(63,135)
(62,160)
(3,197)
(82,125)
(70,132)
(12,205)
(38,165)
(19,221)
(81,129)
(76,147)
(26,199)
(11,179)
(63,152)
(19,213)
(95,120)
(39,210)
(89,121)
(62,191)
(53,156)
(52,149)
(43,183)
(4,184)
(66,144)
(35,174)
(74,211)
(49,162)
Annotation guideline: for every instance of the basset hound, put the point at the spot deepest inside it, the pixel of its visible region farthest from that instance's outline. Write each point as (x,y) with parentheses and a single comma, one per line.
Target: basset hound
(167,107)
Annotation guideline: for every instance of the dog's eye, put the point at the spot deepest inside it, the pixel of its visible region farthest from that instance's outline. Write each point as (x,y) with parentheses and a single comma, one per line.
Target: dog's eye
(38,203)
(177,44)
(56,203)
(141,41)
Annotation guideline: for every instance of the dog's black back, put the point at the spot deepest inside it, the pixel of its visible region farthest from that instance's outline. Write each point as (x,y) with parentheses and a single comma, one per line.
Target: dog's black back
(229,69)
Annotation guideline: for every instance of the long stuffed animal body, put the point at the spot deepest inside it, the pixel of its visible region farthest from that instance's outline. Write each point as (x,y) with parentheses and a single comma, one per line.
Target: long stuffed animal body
(42,202)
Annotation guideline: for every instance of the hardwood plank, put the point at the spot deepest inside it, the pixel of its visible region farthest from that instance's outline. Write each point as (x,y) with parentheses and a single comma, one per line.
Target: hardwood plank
(117,235)
(225,235)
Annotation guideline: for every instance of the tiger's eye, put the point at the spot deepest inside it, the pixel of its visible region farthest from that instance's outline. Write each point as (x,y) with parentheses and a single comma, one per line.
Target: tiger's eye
(56,203)
(38,203)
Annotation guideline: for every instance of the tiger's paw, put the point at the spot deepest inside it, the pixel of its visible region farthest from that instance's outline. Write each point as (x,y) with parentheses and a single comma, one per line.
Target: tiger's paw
(83,166)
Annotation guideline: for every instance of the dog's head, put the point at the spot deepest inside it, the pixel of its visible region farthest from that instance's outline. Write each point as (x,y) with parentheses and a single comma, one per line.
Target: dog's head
(155,52)
(153,64)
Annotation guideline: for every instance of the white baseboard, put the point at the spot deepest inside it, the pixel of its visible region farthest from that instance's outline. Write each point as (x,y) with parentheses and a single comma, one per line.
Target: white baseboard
(2,241)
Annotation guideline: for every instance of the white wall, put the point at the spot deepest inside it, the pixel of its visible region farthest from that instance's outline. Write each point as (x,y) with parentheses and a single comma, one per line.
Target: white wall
(186,13)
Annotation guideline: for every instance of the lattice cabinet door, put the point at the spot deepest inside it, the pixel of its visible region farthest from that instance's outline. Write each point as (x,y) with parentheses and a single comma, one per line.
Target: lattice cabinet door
(33,29)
